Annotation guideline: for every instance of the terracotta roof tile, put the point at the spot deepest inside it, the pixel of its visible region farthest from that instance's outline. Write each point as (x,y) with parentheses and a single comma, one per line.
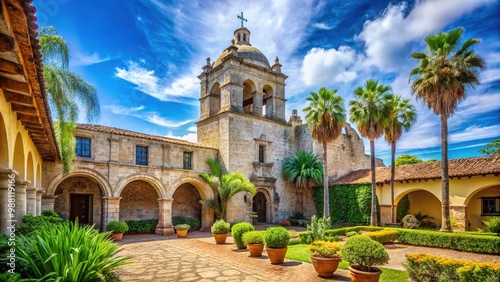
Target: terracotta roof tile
(430,170)
(124,132)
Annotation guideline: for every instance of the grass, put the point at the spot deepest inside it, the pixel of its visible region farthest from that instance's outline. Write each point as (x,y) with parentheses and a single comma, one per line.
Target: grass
(300,252)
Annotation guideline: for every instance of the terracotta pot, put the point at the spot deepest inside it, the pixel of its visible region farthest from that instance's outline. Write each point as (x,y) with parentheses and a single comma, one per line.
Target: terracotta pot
(276,255)
(255,249)
(325,267)
(357,275)
(220,238)
(182,232)
(117,236)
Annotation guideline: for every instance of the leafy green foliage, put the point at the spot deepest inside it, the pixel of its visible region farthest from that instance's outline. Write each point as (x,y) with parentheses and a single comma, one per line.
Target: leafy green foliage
(458,241)
(142,226)
(407,159)
(318,226)
(295,241)
(325,249)
(297,216)
(276,237)
(237,232)
(303,170)
(352,203)
(492,148)
(425,267)
(383,236)
(71,253)
(351,233)
(180,219)
(492,224)
(253,237)
(345,230)
(117,227)
(403,207)
(410,221)
(220,227)
(31,224)
(364,251)
(226,185)
(183,226)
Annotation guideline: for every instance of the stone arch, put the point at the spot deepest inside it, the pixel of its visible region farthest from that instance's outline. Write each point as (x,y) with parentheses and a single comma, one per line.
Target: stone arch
(139,201)
(84,172)
(422,201)
(249,89)
(38,175)
(474,206)
(261,204)
(19,164)
(268,93)
(215,99)
(472,194)
(157,185)
(30,170)
(4,145)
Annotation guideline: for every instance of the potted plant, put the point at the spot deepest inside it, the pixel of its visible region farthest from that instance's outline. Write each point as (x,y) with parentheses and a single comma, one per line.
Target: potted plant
(325,257)
(276,240)
(182,230)
(363,253)
(117,229)
(220,229)
(237,232)
(255,242)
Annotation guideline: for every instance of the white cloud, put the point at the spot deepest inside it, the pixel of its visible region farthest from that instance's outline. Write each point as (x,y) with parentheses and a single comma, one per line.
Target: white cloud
(152,117)
(322,26)
(475,133)
(80,59)
(490,75)
(157,119)
(121,110)
(191,137)
(322,66)
(192,129)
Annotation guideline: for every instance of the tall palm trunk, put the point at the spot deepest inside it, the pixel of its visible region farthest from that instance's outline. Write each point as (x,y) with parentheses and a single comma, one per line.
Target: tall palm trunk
(445,184)
(393,173)
(326,197)
(373,217)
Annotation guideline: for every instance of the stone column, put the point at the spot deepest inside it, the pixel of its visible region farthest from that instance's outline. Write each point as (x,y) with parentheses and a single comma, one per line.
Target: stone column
(459,212)
(207,218)
(165,226)
(39,194)
(110,210)
(21,186)
(258,101)
(7,192)
(48,202)
(31,201)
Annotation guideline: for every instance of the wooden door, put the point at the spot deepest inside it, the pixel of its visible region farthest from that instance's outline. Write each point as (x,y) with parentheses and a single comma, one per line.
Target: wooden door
(260,206)
(81,208)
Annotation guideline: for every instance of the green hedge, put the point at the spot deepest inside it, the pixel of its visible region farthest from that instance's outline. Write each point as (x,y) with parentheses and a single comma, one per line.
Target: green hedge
(348,203)
(383,236)
(458,241)
(180,219)
(343,231)
(424,267)
(142,226)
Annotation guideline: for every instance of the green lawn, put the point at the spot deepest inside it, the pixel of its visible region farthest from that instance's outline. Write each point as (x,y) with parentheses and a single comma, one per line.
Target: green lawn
(300,252)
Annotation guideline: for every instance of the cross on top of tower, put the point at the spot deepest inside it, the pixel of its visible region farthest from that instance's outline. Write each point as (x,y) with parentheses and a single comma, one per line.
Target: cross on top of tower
(242,19)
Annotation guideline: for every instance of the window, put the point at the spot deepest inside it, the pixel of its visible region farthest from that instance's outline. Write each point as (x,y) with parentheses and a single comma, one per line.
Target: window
(141,155)
(83,147)
(262,153)
(188,156)
(490,206)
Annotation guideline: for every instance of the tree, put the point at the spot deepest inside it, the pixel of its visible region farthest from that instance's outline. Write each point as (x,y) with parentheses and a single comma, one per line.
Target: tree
(67,93)
(225,186)
(371,110)
(407,159)
(402,116)
(303,170)
(441,80)
(326,116)
(492,148)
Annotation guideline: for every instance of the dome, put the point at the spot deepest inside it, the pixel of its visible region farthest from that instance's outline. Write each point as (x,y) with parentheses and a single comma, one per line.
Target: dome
(249,54)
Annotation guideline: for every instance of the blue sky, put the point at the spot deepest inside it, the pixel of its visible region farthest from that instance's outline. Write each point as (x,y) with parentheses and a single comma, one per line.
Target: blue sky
(143,57)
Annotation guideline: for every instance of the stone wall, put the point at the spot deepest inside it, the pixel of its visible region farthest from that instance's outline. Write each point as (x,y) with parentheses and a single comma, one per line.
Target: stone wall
(187,201)
(139,200)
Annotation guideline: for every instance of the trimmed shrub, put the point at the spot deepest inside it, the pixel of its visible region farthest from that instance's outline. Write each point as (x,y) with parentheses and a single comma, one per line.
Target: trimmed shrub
(183,226)
(276,237)
(191,221)
(424,267)
(220,227)
(410,221)
(458,241)
(343,231)
(325,249)
(52,213)
(253,237)
(237,232)
(31,224)
(493,224)
(351,233)
(383,236)
(364,251)
(117,227)
(142,226)
(295,241)
(305,237)
(331,238)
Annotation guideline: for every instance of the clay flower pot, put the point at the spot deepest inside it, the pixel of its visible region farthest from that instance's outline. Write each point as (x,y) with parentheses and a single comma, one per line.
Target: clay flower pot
(357,275)
(276,255)
(182,232)
(255,249)
(220,238)
(325,267)
(117,236)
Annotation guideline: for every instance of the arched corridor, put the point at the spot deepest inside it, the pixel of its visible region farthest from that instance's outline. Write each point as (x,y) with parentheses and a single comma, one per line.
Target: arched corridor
(139,201)
(187,201)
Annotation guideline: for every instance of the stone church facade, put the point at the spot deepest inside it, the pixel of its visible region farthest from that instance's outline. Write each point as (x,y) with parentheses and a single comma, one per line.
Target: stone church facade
(125,175)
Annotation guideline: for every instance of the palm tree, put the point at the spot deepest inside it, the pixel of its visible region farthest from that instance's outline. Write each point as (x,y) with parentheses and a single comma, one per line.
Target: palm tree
(403,115)
(326,115)
(371,111)
(226,186)
(441,79)
(303,170)
(67,93)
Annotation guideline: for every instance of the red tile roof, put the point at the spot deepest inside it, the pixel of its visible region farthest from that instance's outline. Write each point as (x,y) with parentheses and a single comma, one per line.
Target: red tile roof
(465,167)
(124,132)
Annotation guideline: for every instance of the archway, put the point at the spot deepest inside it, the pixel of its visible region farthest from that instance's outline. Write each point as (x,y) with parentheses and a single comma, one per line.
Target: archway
(4,145)
(259,206)
(215,99)
(248,89)
(267,108)
(79,197)
(481,203)
(30,170)
(139,201)
(422,201)
(38,176)
(186,202)
(19,158)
